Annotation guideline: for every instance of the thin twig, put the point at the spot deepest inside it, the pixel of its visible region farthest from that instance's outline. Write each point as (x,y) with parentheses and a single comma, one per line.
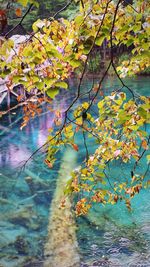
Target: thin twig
(85,144)
(20,22)
(63,8)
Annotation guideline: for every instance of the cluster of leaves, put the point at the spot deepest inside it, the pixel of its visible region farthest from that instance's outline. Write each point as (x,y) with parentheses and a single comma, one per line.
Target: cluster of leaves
(43,63)
(120,137)
(58,47)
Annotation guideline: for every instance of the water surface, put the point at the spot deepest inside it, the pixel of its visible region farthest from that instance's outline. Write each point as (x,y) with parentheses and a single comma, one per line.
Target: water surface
(108,236)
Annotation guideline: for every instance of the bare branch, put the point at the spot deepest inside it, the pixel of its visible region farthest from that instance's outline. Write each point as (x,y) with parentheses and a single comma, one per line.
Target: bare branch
(63,8)
(20,22)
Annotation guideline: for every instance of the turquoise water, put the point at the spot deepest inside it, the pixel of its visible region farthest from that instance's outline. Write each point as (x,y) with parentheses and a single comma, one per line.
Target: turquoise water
(108,236)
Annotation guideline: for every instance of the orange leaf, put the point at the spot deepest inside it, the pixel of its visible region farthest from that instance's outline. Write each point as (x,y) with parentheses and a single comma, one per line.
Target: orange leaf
(49,164)
(77,128)
(18,12)
(144,144)
(75,147)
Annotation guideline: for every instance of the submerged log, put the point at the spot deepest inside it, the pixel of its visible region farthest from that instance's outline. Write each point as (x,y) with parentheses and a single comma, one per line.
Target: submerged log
(61,248)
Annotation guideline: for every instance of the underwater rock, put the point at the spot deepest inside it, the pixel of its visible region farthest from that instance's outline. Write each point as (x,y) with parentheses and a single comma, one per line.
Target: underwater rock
(42,199)
(9,234)
(21,245)
(36,184)
(24,216)
(33,263)
(5,201)
(41,190)
(16,261)
(22,189)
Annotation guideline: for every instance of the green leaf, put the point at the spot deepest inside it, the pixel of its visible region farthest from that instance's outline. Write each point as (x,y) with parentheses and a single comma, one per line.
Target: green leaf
(49,82)
(75,63)
(40,85)
(17,78)
(53,52)
(52,92)
(35,3)
(62,85)
(23,2)
(142,112)
(129,42)
(105,30)
(99,40)
(79,19)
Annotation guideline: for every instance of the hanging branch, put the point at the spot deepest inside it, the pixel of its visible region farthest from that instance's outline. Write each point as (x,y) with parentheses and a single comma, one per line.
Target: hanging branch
(20,22)
(141,156)
(112,51)
(80,82)
(85,145)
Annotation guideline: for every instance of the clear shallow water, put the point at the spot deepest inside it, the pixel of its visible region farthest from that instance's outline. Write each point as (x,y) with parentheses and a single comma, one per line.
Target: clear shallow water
(108,236)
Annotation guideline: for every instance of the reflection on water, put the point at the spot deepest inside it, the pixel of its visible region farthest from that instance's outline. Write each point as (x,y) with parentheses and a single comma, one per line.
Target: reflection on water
(108,236)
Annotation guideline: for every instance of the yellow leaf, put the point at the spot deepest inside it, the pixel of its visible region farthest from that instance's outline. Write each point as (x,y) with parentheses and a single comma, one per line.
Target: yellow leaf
(85,105)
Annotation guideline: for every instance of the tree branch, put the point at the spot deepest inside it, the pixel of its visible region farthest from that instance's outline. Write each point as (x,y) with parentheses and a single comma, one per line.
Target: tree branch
(20,22)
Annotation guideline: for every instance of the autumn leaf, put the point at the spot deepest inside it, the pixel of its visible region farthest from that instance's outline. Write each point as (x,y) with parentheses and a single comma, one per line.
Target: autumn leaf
(116,198)
(20,98)
(77,129)
(128,190)
(144,144)
(117,153)
(75,147)
(49,164)
(18,12)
